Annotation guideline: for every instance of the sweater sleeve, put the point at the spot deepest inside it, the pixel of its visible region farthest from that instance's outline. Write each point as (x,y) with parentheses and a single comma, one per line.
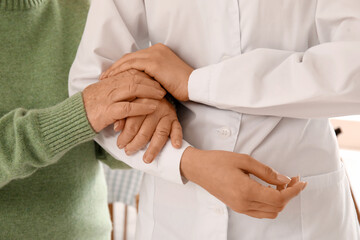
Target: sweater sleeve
(32,139)
(113,28)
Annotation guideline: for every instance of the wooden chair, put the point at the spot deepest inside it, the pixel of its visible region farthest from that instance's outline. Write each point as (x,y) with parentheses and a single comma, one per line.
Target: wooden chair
(111,209)
(353,197)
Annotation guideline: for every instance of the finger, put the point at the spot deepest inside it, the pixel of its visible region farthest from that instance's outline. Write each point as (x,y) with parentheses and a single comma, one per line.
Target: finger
(176,134)
(144,135)
(141,64)
(258,206)
(134,90)
(131,128)
(293,191)
(293,181)
(121,110)
(105,74)
(264,172)
(139,73)
(133,72)
(125,57)
(272,196)
(119,125)
(260,214)
(161,136)
(141,78)
(262,194)
(280,187)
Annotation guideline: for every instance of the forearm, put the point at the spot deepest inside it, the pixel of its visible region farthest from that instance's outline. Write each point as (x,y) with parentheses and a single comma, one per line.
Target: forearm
(166,165)
(31,139)
(321,82)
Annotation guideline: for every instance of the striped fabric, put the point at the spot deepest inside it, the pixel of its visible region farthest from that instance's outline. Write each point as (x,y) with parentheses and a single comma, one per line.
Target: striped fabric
(123,185)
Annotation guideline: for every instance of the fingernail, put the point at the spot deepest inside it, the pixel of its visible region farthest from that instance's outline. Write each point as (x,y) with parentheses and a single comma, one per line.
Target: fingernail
(121,146)
(305,184)
(129,152)
(177,143)
(148,158)
(110,73)
(116,125)
(283,178)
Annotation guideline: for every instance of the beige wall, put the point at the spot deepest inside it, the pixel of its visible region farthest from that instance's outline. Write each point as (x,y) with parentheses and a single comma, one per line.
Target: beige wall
(350,136)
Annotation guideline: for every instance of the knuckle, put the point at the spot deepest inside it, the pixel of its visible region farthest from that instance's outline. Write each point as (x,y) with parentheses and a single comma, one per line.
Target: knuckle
(137,78)
(132,86)
(177,125)
(112,95)
(143,137)
(131,130)
(128,74)
(162,132)
(126,107)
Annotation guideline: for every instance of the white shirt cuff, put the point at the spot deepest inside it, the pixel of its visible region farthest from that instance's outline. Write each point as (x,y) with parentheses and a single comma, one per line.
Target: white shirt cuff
(199,85)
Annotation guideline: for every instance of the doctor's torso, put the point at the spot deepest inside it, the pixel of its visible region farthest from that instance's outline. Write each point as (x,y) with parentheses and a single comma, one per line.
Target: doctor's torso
(208,32)
(205,32)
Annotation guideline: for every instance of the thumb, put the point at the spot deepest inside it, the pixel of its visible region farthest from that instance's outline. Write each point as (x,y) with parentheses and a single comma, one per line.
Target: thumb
(264,172)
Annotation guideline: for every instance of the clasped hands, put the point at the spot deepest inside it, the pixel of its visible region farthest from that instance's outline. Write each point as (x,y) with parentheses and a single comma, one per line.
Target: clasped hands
(128,96)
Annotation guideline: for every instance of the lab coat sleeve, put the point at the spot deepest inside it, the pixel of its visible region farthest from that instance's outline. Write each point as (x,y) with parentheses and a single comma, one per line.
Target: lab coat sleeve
(114,28)
(323,81)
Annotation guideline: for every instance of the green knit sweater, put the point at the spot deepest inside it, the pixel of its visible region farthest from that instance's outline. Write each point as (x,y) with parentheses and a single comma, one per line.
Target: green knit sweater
(51,185)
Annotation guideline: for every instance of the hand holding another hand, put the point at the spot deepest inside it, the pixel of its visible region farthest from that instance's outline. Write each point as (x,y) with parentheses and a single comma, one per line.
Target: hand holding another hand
(159,62)
(110,100)
(223,174)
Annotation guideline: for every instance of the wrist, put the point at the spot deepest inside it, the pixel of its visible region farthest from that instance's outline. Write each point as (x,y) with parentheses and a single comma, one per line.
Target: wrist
(90,115)
(189,163)
(187,84)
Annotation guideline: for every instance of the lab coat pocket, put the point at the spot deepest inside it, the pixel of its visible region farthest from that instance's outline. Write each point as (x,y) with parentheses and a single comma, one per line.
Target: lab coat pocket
(327,209)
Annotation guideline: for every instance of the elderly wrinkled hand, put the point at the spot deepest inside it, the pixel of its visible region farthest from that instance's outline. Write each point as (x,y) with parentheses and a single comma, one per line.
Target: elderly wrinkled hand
(155,127)
(159,62)
(109,100)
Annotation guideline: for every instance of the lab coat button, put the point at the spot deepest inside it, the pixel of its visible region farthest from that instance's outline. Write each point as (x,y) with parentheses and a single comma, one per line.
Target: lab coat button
(224,132)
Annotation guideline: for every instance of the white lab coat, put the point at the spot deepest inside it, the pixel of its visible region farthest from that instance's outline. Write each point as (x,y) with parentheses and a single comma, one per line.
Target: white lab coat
(268,75)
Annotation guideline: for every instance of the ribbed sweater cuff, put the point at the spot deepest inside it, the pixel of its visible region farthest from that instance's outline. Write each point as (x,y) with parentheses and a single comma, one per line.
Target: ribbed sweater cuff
(65,125)
(19,4)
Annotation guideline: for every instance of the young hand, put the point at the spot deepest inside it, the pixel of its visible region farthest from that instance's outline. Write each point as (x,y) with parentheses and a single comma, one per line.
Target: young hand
(162,64)
(226,176)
